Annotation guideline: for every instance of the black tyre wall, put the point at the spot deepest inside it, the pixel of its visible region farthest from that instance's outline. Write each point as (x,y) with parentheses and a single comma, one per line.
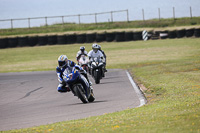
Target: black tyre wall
(12,42)
(110,37)
(90,37)
(120,36)
(42,40)
(61,39)
(128,36)
(100,37)
(33,40)
(52,39)
(81,38)
(172,34)
(137,35)
(3,43)
(189,32)
(197,32)
(180,33)
(23,41)
(71,38)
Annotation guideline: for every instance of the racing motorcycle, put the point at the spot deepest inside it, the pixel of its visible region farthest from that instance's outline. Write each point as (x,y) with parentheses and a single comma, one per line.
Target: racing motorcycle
(83,62)
(97,69)
(79,85)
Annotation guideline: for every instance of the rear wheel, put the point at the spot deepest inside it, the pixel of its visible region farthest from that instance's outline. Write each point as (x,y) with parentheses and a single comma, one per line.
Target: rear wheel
(92,98)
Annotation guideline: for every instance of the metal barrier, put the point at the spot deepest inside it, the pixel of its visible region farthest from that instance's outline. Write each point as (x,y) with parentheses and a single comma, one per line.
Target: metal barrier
(11,21)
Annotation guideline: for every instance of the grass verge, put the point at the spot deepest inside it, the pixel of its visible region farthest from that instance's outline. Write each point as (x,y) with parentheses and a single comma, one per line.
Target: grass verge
(169,69)
(162,24)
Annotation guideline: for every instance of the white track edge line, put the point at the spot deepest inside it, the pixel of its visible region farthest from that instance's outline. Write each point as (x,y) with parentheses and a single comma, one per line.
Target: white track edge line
(137,90)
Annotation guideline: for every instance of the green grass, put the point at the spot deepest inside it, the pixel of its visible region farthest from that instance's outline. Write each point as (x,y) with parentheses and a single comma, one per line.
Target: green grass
(169,69)
(71,27)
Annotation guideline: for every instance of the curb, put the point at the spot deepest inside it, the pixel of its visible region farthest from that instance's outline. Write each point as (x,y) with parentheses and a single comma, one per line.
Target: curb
(140,95)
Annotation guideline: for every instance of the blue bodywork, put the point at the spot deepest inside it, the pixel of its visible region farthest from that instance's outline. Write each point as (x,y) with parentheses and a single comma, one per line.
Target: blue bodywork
(73,77)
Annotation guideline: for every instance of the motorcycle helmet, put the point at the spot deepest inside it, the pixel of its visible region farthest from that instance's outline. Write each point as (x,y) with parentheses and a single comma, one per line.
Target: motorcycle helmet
(95,47)
(82,48)
(62,60)
(99,47)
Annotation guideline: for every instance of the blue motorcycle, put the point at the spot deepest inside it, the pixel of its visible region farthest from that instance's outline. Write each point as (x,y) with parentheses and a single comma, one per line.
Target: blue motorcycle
(78,84)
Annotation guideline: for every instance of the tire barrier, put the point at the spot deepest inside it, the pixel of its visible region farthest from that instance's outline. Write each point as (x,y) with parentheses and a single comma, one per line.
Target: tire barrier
(120,36)
(52,39)
(137,36)
(23,41)
(164,34)
(172,34)
(32,40)
(3,43)
(155,35)
(42,40)
(100,37)
(189,32)
(81,38)
(197,32)
(61,39)
(150,34)
(90,37)
(12,42)
(128,36)
(180,33)
(110,36)
(71,39)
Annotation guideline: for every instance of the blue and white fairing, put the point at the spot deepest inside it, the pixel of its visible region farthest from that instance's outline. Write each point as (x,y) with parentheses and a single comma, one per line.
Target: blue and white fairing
(72,76)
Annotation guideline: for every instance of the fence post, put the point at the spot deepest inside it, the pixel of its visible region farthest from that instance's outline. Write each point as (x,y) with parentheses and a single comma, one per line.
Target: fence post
(111,13)
(11,21)
(191,12)
(46,21)
(159,13)
(62,20)
(174,13)
(143,14)
(95,18)
(29,23)
(79,19)
(127,15)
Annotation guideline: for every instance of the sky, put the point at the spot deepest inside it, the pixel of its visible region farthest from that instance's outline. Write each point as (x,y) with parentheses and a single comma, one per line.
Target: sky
(11,9)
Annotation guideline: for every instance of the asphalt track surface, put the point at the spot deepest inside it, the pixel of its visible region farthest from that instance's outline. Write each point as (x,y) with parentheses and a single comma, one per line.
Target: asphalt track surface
(30,99)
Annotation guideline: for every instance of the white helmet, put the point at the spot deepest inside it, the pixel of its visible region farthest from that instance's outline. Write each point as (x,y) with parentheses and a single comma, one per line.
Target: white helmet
(62,60)
(95,47)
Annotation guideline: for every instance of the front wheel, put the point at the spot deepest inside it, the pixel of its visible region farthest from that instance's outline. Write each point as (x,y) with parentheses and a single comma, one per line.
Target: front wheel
(81,93)
(97,76)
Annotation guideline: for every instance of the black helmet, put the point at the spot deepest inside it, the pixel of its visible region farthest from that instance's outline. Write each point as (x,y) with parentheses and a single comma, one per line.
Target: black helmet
(82,48)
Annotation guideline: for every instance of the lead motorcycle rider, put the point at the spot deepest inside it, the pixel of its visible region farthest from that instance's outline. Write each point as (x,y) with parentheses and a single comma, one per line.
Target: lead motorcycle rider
(64,63)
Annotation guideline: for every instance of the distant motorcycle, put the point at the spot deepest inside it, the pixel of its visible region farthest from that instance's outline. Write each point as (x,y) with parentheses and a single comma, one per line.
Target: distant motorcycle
(97,69)
(83,62)
(79,85)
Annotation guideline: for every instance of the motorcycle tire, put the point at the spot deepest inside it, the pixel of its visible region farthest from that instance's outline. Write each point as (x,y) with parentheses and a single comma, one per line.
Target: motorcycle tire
(91,98)
(97,76)
(80,93)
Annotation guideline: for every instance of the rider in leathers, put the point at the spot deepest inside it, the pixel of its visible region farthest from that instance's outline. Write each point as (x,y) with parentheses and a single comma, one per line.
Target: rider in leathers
(82,51)
(104,57)
(94,53)
(64,63)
